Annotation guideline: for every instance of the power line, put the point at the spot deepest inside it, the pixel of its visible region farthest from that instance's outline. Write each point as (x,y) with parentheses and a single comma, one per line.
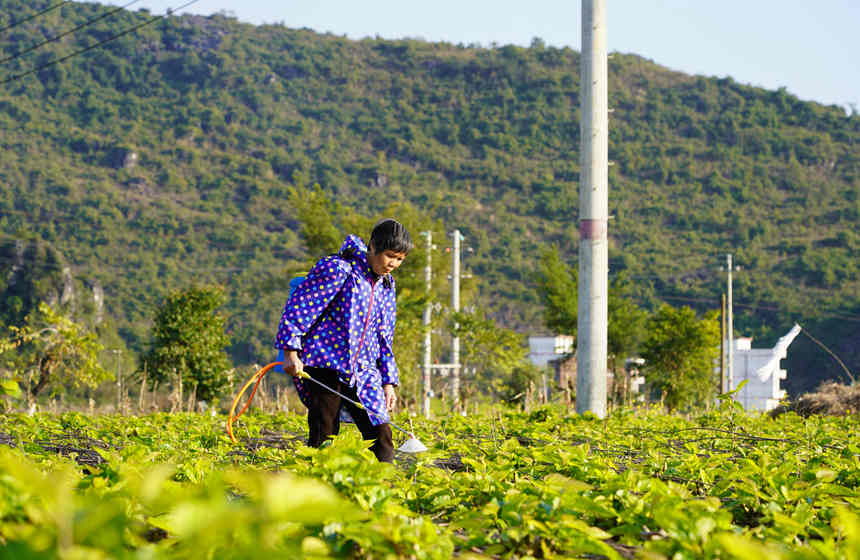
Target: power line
(56,38)
(33,16)
(131,29)
(714,301)
(829,351)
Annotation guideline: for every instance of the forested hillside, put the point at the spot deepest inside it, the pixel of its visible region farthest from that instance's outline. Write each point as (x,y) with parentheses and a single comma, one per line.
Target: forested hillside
(166,157)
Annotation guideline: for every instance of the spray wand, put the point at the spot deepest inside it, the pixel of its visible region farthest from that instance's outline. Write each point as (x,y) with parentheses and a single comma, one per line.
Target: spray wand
(412,445)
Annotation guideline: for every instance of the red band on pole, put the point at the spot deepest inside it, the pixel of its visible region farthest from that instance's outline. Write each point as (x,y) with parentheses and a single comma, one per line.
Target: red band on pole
(593,229)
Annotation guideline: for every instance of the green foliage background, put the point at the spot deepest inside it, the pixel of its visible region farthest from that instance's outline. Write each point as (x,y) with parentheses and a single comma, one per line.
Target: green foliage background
(168,156)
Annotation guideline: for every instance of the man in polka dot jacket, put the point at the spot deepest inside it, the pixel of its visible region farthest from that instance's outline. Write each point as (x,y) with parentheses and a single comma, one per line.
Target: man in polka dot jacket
(338,326)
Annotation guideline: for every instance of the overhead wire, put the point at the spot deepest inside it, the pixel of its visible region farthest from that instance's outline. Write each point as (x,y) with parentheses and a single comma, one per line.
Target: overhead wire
(131,29)
(715,301)
(68,32)
(832,353)
(33,16)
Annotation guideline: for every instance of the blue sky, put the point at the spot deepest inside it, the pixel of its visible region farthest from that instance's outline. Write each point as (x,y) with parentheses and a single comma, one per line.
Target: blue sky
(810,47)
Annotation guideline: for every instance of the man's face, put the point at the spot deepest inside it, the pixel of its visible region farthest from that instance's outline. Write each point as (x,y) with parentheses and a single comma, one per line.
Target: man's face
(384,262)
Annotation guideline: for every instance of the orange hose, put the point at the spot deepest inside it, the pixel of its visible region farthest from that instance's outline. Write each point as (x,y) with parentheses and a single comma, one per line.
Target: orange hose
(255,379)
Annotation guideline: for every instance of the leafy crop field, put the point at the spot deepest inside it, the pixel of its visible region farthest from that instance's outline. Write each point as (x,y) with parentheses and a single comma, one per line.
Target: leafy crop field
(497,485)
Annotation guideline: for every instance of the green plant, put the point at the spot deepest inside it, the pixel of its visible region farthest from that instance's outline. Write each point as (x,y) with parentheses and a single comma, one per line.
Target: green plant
(680,351)
(188,340)
(52,349)
(545,484)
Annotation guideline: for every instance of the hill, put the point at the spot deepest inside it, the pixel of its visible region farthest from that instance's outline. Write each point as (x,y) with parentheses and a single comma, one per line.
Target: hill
(166,156)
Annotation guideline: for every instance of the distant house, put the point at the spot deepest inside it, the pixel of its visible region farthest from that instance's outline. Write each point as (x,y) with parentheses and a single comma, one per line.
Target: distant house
(544,349)
(759,367)
(554,352)
(558,354)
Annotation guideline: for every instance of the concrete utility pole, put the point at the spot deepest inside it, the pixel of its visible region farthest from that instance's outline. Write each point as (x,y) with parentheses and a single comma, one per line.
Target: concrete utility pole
(730,371)
(593,214)
(455,305)
(428,339)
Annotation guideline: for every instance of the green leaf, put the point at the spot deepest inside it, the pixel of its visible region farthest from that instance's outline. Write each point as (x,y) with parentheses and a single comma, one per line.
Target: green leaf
(745,548)
(826,475)
(10,388)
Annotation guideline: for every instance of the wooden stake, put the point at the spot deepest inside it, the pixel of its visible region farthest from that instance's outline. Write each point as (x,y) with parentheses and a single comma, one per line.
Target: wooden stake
(142,391)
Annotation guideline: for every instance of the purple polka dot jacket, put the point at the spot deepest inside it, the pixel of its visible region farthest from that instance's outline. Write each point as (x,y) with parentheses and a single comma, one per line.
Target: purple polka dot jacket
(342,317)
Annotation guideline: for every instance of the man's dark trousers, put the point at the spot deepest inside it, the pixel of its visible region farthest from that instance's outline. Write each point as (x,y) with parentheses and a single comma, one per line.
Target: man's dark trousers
(324,414)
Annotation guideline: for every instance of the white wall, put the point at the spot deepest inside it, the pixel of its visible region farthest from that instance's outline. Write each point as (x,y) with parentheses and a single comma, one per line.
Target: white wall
(757,394)
(542,349)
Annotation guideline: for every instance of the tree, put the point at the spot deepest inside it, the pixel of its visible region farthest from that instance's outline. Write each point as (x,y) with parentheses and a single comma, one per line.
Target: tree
(188,339)
(516,386)
(484,342)
(680,352)
(624,331)
(498,354)
(54,348)
(558,285)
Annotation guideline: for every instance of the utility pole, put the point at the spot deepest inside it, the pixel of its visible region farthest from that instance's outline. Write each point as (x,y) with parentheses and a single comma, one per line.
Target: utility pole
(455,305)
(730,333)
(428,338)
(593,295)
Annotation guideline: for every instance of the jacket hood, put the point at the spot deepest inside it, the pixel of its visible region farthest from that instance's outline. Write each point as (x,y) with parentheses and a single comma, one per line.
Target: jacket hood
(355,251)
(352,247)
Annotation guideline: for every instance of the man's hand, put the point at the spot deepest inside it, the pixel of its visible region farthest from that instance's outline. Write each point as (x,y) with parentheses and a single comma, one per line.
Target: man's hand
(292,364)
(390,397)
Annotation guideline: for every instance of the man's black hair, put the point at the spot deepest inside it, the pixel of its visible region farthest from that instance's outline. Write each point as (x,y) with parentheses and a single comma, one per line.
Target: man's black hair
(390,235)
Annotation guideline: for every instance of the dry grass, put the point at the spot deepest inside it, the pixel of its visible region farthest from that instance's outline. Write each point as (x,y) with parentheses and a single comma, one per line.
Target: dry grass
(832,398)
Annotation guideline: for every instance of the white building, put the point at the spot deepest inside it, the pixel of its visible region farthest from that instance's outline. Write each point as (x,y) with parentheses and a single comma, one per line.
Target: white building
(543,349)
(759,367)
